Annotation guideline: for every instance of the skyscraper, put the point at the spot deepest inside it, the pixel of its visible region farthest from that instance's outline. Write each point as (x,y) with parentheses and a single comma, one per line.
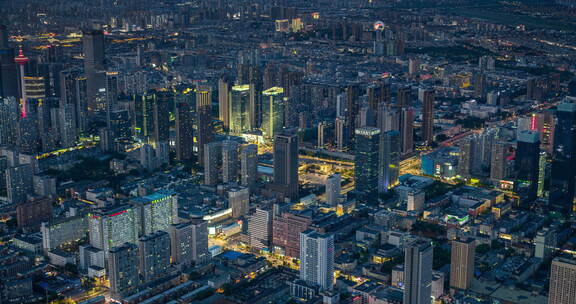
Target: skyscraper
(94,64)
(498,162)
(260,229)
(317,259)
(407,129)
(230,163)
(333,188)
(156,211)
(462,263)
(113,227)
(480,85)
(389,163)
(205,132)
(366,162)
(9,115)
(184,135)
(240,109)
(161,112)
(249,166)
(428,116)
(239,201)
(224,88)
(154,252)
(272,111)
(526,165)
(212,160)
(418,273)
(19,183)
(286,164)
(563,179)
(123,270)
(466,159)
(562,281)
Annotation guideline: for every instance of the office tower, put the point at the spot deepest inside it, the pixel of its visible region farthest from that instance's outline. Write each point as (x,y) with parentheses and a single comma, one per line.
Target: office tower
(189,242)
(94,64)
(418,258)
(341,136)
(35,87)
(466,159)
(184,136)
(352,108)
(161,113)
(542,172)
(407,129)
(111,98)
(73,90)
(562,177)
(333,189)
(322,135)
(19,183)
(562,281)
(229,161)
(144,116)
(317,259)
(67,126)
(32,213)
(239,201)
(526,165)
(404,97)
(273,103)
(240,109)
(224,88)
(123,270)
(120,125)
(27,137)
(8,79)
(212,153)
(249,166)
(156,211)
(428,116)
(462,263)
(480,85)
(260,229)
(154,251)
(389,163)
(9,114)
(113,227)
(286,164)
(205,130)
(366,162)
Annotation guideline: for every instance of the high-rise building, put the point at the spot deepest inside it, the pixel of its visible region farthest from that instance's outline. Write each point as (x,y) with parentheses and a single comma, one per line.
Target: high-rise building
(249,166)
(562,281)
(111,99)
(499,160)
(161,114)
(562,177)
(33,212)
(9,114)
(189,242)
(94,64)
(428,116)
(341,133)
(240,109)
(123,270)
(239,201)
(8,79)
(260,229)
(366,162)
(230,163)
(462,263)
(212,161)
(466,159)
(317,259)
(480,85)
(19,183)
(184,135)
(333,189)
(418,258)
(224,88)
(67,125)
(35,87)
(389,163)
(286,230)
(526,165)
(156,211)
(144,118)
(545,243)
(407,129)
(154,251)
(273,103)
(113,227)
(352,108)
(205,129)
(286,164)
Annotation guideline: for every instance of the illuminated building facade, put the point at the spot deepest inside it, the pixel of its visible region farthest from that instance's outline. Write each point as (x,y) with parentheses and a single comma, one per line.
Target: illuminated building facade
(273,104)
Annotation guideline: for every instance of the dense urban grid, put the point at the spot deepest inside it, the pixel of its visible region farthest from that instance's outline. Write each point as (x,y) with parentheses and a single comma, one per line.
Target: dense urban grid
(288,151)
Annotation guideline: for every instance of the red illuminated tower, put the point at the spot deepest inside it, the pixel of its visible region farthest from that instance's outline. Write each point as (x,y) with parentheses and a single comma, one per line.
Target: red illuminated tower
(21,61)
